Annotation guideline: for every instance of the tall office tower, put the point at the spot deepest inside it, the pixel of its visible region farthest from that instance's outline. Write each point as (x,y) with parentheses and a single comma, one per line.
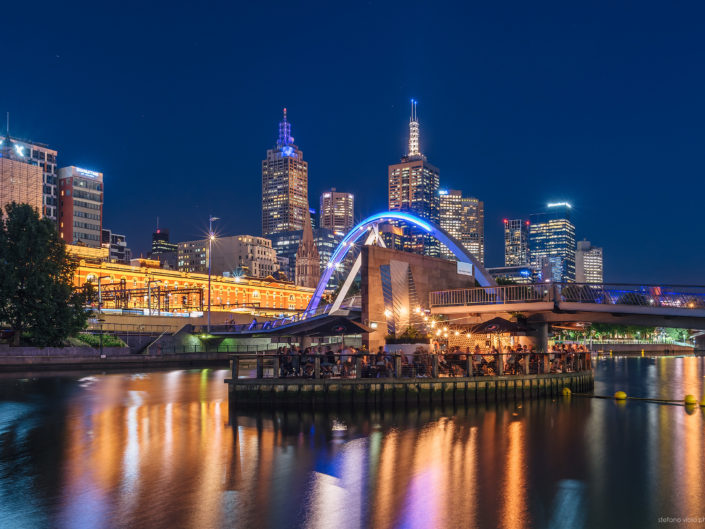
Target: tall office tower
(552,243)
(164,251)
(337,211)
(80,206)
(516,242)
(464,219)
(20,176)
(284,185)
(413,187)
(308,262)
(588,263)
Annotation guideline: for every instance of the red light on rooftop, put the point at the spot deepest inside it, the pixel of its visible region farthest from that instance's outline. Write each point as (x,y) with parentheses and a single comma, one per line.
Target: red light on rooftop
(527,222)
(506,221)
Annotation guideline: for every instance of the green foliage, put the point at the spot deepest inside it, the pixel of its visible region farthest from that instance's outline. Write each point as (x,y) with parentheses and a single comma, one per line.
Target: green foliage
(94,340)
(610,329)
(410,335)
(677,335)
(37,298)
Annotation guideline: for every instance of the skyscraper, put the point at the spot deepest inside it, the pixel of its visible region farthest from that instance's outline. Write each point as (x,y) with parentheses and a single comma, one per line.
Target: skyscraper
(20,176)
(464,219)
(413,187)
(284,185)
(44,157)
(80,205)
(516,242)
(163,250)
(552,243)
(308,262)
(337,211)
(588,263)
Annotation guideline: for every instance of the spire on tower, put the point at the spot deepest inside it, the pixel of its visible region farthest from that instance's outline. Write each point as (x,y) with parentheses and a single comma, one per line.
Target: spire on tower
(414,131)
(285,137)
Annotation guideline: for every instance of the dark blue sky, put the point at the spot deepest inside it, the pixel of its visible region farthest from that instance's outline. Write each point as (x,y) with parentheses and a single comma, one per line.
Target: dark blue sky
(519,104)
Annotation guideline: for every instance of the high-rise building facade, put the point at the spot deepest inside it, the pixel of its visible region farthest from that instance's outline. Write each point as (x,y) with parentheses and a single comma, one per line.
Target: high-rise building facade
(80,206)
(337,211)
(464,219)
(588,263)
(284,185)
(118,252)
(20,176)
(552,243)
(287,244)
(237,255)
(516,242)
(413,187)
(163,250)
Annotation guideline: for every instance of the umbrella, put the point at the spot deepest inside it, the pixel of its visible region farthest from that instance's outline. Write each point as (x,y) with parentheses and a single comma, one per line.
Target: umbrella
(497,325)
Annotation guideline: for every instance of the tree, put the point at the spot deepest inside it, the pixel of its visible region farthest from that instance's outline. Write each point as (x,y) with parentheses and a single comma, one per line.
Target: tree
(37,298)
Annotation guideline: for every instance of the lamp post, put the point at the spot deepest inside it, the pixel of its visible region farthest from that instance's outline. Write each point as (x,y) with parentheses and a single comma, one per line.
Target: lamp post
(100,312)
(211,238)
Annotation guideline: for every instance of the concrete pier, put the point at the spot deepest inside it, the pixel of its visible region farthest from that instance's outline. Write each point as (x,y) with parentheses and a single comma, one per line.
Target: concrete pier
(411,392)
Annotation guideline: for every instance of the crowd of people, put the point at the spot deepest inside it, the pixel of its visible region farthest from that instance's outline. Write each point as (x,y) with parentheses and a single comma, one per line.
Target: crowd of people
(345,360)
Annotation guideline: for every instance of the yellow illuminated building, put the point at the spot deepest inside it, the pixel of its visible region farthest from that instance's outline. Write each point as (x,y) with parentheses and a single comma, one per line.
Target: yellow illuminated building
(130,287)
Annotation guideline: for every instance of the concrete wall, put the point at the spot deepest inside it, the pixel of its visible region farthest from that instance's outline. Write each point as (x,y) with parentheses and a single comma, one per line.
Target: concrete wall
(429,273)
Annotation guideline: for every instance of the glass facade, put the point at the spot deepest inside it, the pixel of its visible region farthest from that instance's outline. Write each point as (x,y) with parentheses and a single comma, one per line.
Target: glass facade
(552,243)
(464,219)
(516,242)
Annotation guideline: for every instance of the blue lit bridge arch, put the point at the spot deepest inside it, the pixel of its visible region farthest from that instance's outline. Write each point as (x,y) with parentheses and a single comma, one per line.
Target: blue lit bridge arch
(481,275)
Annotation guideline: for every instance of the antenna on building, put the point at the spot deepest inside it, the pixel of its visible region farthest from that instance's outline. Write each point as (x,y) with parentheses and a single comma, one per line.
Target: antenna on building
(8,125)
(414,131)
(157,224)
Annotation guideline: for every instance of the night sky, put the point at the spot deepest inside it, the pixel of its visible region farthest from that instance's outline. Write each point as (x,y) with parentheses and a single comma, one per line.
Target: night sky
(520,104)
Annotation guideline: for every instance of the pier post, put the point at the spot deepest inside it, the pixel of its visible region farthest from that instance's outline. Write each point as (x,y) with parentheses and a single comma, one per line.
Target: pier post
(397,366)
(260,367)
(434,366)
(358,367)
(468,365)
(317,367)
(275,367)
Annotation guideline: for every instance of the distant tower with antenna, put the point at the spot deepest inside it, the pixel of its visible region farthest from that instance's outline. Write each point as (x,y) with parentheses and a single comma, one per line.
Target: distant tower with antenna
(284,185)
(413,187)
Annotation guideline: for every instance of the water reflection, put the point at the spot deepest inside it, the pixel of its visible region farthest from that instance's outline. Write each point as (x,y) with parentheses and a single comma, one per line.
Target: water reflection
(164,450)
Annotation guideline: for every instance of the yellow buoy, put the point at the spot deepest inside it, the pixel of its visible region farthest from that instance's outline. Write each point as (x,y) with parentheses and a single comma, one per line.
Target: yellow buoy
(566,392)
(620,395)
(690,400)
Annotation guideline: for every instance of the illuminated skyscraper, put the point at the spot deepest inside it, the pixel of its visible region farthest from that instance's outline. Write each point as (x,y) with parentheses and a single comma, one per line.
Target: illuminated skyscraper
(20,176)
(516,242)
(552,243)
(588,263)
(464,219)
(80,206)
(413,187)
(284,185)
(337,211)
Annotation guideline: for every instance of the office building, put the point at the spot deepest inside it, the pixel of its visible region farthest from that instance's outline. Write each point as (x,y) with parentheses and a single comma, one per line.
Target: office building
(118,252)
(588,263)
(464,219)
(516,242)
(337,211)
(413,187)
(237,255)
(163,250)
(284,185)
(44,157)
(287,245)
(20,176)
(519,274)
(80,205)
(552,243)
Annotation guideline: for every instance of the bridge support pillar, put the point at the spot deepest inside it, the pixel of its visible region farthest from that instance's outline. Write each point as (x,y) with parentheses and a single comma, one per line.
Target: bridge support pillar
(700,343)
(540,336)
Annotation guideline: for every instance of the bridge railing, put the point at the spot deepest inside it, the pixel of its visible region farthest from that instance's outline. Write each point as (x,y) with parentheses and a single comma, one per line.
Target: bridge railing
(398,365)
(492,295)
(684,297)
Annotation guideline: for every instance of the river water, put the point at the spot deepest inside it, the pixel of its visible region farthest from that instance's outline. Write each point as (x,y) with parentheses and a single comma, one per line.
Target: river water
(163,449)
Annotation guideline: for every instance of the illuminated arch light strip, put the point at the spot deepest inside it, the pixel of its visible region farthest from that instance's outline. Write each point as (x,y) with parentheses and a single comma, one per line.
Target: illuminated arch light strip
(353,235)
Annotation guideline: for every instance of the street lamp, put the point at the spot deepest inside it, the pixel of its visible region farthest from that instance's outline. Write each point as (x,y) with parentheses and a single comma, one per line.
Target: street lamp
(211,238)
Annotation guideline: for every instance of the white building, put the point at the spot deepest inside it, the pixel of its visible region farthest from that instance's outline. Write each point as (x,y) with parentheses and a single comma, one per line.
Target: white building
(235,255)
(588,263)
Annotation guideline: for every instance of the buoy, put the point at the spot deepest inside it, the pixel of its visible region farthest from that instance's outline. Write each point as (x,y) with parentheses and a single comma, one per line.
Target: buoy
(642,352)
(610,352)
(690,400)
(620,395)
(566,392)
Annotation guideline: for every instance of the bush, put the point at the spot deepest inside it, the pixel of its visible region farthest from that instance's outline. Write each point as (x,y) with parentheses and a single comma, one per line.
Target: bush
(94,340)
(410,335)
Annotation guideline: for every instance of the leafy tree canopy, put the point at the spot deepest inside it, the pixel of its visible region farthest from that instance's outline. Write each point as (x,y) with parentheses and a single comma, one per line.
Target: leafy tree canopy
(37,298)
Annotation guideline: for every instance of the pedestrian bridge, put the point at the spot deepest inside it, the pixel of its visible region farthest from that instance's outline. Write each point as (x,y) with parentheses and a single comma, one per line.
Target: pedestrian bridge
(662,305)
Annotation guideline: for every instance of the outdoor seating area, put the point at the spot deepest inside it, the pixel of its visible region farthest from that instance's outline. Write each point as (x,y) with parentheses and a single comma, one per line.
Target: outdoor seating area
(324,362)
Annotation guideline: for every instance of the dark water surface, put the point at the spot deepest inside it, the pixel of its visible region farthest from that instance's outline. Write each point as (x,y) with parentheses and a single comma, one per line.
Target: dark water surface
(162,449)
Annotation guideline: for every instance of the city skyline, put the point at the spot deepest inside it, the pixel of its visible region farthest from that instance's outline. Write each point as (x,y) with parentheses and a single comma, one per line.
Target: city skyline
(585,130)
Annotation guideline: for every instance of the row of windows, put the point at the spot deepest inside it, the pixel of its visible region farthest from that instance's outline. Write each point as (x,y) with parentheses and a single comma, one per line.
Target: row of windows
(77,235)
(84,194)
(87,205)
(83,214)
(86,225)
